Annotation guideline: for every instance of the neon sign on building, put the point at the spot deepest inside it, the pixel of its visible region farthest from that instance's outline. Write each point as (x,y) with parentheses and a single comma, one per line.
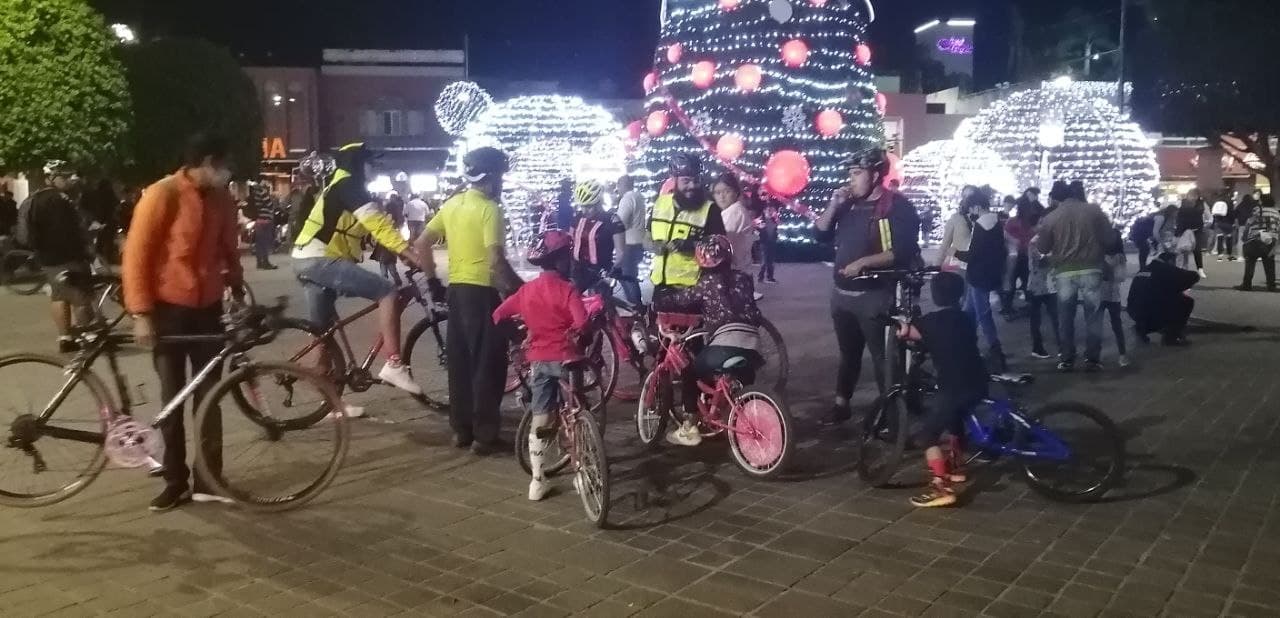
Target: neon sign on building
(956,45)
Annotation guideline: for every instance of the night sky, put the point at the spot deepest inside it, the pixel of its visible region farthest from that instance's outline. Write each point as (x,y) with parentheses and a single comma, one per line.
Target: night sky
(583,44)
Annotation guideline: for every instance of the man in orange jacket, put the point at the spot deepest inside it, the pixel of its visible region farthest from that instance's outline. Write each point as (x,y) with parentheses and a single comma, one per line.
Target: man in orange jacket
(181,254)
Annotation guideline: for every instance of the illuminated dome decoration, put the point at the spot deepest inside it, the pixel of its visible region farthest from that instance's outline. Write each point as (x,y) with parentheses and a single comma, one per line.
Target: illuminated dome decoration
(548,138)
(787,78)
(1084,137)
(934,174)
(458,104)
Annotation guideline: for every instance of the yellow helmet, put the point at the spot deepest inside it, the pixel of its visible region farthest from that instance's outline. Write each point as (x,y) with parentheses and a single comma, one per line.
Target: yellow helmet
(588,193)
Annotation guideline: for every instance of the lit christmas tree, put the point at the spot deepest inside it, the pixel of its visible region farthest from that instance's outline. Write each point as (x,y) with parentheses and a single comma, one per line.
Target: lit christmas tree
(776,91)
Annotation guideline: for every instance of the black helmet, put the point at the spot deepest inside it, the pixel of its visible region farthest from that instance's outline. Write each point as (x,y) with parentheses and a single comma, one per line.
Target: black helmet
(874,159)
(481,162)
(352,157)
(685,165)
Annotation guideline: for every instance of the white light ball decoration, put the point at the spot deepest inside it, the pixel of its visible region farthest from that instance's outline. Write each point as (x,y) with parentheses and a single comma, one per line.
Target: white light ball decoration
(458,104)
(933,175)
(1099,146)
(547,137)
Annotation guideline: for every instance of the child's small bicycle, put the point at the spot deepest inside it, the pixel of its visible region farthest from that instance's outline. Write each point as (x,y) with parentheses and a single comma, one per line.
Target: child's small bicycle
(754,419)
(578,441)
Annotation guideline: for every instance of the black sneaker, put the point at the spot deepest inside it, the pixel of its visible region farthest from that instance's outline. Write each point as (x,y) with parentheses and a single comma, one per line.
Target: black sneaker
(1040,354)
(462,441)
(486,449)
(1066,366)
(1179,342)
(171,498)
(1092,366)
(838,415)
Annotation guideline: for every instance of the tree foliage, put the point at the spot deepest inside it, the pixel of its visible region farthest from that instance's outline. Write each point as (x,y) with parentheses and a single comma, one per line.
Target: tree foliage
(1207,68)
(62,90)
(184,86)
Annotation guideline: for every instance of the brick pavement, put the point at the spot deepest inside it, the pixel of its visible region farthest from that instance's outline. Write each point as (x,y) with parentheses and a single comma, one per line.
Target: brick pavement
(412,527)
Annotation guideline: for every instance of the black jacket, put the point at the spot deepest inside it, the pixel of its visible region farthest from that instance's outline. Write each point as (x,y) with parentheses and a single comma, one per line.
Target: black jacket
(1155,290)
(986,257)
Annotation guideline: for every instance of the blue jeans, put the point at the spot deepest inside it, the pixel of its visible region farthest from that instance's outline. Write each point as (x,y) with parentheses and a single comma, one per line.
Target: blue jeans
(1080,287)
(977,303)
(325,279)
(544,385)
(632,256)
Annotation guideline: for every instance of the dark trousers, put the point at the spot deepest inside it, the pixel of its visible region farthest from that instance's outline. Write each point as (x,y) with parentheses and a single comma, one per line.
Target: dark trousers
(1226,242)
(768,253)
(1167,316)
(1255,251)
(171,362)
(477,362)
(1144,253)
(1114,310)
(1048,302)
(264,241)
(857,331)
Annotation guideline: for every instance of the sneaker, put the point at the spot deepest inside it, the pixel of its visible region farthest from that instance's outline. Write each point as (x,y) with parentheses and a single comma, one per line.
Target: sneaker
(462,441)
(268,267)
(771,280)
(686,434)
(171,498)
(1203,275)
(154,468)
(1221,259)
(399,376)
(838,415)
(1040,354)
(940,494)
(759,296)
(204,498)
(1124,361)
(1242,288)
(1092,366)
(486,449)
(538,489)
(1066,366)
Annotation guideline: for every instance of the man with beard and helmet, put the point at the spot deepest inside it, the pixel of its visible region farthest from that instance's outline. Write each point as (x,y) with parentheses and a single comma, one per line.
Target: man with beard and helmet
(596,236)
(680,219)
(871,228)
(328,248)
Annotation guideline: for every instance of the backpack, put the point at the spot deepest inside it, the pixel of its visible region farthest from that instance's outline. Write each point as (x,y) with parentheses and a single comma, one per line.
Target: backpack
(22,230)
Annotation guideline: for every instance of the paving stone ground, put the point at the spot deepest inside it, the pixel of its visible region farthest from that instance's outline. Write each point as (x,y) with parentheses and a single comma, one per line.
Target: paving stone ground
(414,527)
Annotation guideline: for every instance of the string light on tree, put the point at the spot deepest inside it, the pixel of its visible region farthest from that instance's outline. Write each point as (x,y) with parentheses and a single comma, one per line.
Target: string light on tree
(458,104)
(1091,142)
(787,78)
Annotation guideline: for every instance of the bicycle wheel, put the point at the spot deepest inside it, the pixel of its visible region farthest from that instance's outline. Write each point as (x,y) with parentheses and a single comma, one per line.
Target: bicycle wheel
(425,346)
(517,368)
(882,439)
(776,369)
(604,361)
(760,433)
(271,466)
(1081,452)
(301,409)
(41,460)
(22,274)
(591,477)
(654,409)
(556,456)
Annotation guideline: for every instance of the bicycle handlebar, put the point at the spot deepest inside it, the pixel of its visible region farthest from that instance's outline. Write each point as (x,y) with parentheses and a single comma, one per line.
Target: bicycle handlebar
(896,273)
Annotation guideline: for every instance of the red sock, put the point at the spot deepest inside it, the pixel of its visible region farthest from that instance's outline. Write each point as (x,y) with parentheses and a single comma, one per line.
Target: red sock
(394,359)
(938,467)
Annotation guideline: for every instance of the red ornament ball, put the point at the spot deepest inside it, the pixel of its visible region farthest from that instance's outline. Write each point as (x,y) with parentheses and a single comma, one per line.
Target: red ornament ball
(829,122)
(657,123)
(882,103)
(795,53)
(748,77)
(862,54)
(650,82)
(675,52)
(818,3)
(786,173)
(730,5)
(635,129)
(703,74)
(730,146)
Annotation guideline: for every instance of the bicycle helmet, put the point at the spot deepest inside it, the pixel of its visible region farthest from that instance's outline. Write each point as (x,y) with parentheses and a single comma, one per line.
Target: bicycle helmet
(481,162)
(352,157)
(685,165)
(713,251)
(588,193)
(58,167)
(550,246)
(874,159)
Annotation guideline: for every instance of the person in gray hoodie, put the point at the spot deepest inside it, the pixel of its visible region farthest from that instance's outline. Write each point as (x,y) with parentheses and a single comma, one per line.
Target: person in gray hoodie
(1075,237)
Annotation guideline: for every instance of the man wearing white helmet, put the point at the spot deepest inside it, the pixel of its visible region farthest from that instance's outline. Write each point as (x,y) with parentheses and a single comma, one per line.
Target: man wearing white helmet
(50,224)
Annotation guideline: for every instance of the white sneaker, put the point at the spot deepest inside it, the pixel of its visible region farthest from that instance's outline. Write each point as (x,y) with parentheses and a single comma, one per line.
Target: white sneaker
(758,295)
(208,498)
(154,468)
(538,489)
(686,434)
(400,377)
(1124,361)
(1203,275)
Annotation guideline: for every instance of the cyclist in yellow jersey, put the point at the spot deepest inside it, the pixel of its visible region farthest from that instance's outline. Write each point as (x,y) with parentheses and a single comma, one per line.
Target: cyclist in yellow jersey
(471,223)
(328,248)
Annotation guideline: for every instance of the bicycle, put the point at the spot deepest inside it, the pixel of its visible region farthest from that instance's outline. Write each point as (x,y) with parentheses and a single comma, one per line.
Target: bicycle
(21,273)
(105,432)
(756,421)
(578,441)
(337,360)
(519,369)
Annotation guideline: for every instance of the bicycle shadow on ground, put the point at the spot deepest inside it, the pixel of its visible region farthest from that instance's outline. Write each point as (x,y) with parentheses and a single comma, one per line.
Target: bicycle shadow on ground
(665,488)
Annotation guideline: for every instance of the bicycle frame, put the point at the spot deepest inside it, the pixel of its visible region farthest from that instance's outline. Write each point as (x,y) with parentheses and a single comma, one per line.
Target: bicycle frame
(984,437)
(720,392)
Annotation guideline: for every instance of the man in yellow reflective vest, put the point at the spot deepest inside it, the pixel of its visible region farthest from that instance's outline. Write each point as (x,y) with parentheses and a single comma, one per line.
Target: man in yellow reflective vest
(327,251)
(680,219)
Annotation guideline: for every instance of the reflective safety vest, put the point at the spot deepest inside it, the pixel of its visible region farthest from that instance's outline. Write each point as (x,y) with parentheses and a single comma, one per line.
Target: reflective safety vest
(347,236)
(670,223)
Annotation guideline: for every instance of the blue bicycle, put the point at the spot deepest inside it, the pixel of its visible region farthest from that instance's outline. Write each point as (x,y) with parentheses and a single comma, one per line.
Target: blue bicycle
(1068,451)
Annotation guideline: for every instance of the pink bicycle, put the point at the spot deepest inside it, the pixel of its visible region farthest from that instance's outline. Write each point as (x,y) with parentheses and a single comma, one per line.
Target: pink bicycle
(755,421)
